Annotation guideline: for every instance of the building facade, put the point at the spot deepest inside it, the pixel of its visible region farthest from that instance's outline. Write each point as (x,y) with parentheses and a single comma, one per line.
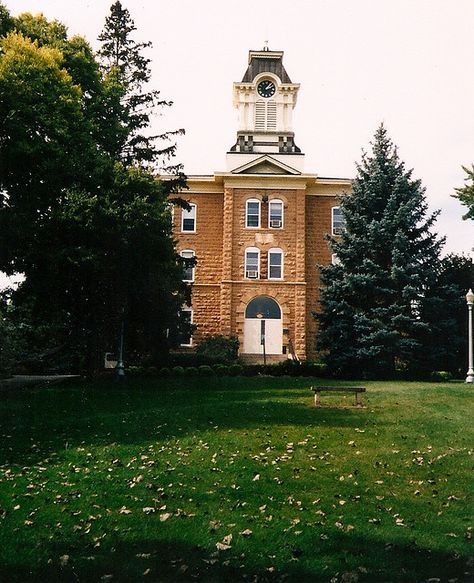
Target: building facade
(258,230)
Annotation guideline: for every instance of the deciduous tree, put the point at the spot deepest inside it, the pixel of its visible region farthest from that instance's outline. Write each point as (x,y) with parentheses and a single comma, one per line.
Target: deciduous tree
(466,193)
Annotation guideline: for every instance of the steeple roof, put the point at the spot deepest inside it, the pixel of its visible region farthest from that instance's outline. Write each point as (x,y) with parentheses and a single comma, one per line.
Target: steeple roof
(266,61)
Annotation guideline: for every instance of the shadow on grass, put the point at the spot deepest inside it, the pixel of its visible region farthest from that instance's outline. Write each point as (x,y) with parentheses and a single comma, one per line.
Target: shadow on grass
(38,422)
(346,557)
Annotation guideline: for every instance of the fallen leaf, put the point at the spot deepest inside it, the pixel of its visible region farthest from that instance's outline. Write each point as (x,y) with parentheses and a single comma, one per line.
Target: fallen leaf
(165,516)
(246,532)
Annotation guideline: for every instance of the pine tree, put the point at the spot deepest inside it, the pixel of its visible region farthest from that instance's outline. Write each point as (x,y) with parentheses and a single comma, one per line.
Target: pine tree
(373,300)
(127,72)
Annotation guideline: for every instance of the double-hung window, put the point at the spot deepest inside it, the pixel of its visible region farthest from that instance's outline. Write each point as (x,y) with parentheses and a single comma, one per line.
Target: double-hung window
(275,214)
(252,263)
(275,264)
(188,256)
(252,213)
(337,221)
(188,219)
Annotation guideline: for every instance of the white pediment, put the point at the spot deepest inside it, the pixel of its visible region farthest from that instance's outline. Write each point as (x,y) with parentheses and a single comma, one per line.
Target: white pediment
(266,165)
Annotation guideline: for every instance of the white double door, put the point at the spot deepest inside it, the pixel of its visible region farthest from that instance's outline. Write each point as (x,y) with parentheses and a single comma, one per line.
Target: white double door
(272,332)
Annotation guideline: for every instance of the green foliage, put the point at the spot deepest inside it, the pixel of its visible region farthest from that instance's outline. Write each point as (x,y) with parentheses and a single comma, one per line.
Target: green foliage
(177,371)
(235,370)
(221,370)
(447,311)
(380,494)
(191,371)
(6,21)
(375,304)
(91,234)
(466,194)
(441,376)
(219,348)
(206,371)
(127,71)
(164,372)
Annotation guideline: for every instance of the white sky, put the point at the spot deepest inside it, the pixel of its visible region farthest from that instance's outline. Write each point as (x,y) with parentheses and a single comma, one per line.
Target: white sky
(407,63)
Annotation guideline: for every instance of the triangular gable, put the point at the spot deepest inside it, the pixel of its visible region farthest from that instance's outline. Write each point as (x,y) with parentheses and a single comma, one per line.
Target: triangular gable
(265,165)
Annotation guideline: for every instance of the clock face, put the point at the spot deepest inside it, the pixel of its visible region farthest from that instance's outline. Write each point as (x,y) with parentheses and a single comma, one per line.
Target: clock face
(266,88)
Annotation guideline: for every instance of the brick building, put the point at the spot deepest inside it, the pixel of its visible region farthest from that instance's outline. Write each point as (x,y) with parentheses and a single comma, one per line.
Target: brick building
(258,229)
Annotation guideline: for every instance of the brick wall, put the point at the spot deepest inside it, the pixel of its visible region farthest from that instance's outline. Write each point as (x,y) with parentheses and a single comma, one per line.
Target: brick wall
(221,292)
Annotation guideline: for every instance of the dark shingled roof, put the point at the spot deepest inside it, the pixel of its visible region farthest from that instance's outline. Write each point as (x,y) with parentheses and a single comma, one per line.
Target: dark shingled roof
(263,62)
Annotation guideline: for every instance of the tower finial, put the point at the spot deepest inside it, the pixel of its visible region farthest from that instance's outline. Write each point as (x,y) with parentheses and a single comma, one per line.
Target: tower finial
(265,46)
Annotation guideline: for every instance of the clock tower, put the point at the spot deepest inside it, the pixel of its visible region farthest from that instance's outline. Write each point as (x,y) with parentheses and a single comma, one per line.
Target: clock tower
(265,99)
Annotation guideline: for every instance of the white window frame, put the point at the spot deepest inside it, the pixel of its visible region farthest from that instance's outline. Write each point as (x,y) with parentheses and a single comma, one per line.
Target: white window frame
(259,202)
(246,270)
(191,214)
(190,310)
(270,202)
(275,251)
(335,259)
(191,255)
(340,226)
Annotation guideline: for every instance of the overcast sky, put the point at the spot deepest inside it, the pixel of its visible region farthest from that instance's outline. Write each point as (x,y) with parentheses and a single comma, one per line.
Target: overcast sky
(407,63)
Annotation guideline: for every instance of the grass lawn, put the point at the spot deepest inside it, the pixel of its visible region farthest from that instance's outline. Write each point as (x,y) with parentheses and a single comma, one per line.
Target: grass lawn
(235,479)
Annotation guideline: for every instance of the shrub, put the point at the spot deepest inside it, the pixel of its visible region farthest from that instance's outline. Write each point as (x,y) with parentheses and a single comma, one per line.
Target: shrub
(191,371)
(134,371)
(219,348)
(164,372)
(439,376)
(177,371)
(205,371)
(221,369)
(235,370)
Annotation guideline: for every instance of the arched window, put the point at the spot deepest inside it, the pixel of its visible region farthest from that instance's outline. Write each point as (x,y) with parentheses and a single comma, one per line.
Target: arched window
(337,221)
(252,263)
(188,256)
(275,263)
(263,307)
(252,213)
(275,214)
(188,219)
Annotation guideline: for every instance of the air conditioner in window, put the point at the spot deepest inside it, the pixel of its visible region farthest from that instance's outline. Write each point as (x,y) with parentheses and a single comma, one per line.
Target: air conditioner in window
(252,274)
(337,231)
(275,224)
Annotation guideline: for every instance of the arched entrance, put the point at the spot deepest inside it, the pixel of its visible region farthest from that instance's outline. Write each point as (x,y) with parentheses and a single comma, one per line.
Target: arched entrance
(263,328)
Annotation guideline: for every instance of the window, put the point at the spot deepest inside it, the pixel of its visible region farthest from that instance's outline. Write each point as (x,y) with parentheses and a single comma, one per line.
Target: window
(188,221)
(252,218)
(252,263)
(337,221)
(275,214)
(275,264)
(186,337)
(265,115)
(188,256)
(335,259)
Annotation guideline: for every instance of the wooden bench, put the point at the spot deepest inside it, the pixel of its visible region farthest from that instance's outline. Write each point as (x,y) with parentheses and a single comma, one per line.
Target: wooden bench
(356,390)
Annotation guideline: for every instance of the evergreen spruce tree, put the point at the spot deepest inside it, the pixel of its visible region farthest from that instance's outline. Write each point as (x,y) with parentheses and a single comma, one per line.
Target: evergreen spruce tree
(374,299)
(127,72)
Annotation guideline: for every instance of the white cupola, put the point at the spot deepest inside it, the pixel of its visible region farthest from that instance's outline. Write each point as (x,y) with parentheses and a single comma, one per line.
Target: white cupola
(264,100)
